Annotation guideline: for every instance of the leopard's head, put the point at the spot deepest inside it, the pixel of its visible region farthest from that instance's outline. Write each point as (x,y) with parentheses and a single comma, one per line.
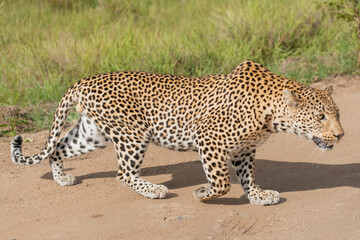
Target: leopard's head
(313,114)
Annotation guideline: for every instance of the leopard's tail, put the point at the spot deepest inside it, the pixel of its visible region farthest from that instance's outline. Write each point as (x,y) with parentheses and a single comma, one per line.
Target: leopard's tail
(62,111)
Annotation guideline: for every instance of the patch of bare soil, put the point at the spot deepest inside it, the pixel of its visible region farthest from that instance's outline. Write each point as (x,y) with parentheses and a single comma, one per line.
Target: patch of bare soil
(320,192)
(14,119)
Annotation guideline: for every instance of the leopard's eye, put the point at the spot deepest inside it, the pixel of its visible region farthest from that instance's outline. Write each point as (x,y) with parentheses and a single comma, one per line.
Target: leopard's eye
(321,116)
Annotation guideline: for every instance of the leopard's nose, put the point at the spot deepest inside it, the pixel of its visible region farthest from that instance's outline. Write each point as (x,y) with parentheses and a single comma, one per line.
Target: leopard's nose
(339,135)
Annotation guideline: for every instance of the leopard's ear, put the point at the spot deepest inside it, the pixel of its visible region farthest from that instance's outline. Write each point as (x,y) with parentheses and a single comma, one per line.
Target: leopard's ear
(291,99)
(329,90)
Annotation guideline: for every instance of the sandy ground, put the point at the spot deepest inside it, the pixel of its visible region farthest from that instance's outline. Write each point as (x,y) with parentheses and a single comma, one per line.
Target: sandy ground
(320,192)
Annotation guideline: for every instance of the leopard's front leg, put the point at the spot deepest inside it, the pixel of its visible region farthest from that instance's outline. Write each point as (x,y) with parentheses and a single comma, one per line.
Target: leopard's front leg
(215,165)
(243,162)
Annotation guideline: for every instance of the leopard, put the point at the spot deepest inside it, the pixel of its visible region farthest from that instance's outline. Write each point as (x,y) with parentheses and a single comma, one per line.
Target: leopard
(224,118)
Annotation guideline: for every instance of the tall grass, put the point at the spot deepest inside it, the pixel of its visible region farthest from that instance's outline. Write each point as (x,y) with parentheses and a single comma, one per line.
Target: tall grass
(47,45)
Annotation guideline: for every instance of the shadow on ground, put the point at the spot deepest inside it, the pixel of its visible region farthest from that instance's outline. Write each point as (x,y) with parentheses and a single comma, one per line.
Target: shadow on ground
(280,176)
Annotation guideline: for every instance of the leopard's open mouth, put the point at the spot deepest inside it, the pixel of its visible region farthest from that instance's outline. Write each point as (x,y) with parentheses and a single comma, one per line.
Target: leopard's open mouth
(321,144)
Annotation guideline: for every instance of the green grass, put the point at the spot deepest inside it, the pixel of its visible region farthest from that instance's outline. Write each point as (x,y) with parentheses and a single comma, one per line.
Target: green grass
(47,45)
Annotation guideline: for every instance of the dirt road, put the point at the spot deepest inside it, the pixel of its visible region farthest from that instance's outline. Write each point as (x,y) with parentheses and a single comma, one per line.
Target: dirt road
(320,192)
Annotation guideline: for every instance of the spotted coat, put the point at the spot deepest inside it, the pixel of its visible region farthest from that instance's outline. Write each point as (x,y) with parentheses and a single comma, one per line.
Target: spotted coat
(222,117)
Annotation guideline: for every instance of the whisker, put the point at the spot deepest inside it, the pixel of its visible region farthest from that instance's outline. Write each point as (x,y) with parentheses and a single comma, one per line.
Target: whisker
(311,154)
(317,155)
(344,143)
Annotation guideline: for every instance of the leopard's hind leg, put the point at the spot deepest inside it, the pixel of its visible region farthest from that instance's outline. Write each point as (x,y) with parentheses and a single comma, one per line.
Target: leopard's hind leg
(131,147)
(83,138)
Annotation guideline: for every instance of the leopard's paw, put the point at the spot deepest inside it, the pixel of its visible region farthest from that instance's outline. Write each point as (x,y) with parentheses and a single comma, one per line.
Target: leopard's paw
(264,197)
(155,191)
(200,194)
(209,192)
(65,180)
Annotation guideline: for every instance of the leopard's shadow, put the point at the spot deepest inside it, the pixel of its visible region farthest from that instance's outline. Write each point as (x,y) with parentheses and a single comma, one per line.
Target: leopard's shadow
(280,176)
